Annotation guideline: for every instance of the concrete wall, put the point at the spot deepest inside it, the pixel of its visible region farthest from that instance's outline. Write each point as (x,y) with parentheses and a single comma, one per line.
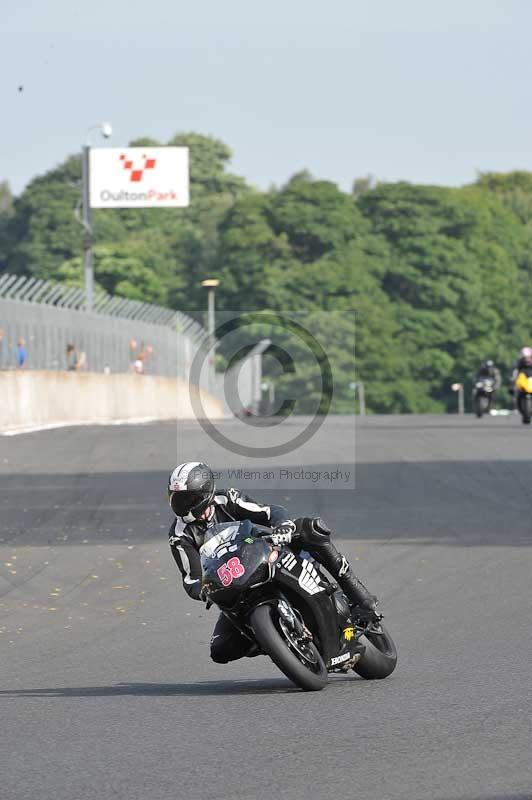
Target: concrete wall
(40,399)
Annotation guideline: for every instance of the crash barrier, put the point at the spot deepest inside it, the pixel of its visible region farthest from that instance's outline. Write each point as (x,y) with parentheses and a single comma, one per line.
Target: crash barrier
(40,399)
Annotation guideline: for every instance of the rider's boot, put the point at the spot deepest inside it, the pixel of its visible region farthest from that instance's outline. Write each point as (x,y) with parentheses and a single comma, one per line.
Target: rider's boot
(317,537)
(357,594)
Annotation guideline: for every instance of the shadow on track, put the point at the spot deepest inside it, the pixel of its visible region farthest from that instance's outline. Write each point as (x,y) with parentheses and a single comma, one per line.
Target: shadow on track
(493,797)
(464,503)
(200,689)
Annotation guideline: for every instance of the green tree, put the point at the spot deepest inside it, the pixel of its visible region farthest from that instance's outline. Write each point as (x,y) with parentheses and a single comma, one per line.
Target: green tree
(315,216)
(6,212)
(454,279)
(307,249)
(117,273)
(6,200)
(43,230)
(514,189)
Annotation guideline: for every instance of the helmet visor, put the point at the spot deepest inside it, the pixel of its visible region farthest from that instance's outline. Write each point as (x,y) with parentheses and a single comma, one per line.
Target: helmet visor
(183,502)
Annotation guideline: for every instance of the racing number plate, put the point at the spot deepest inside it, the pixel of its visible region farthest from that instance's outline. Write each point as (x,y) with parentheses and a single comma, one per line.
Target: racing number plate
(230,570)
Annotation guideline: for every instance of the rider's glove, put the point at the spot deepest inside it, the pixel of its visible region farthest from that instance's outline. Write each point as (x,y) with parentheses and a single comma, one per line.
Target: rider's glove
(204,597)
(283,533)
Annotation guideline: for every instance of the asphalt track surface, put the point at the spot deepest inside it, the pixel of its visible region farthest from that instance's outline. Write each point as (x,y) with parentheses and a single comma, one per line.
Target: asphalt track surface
(106,687)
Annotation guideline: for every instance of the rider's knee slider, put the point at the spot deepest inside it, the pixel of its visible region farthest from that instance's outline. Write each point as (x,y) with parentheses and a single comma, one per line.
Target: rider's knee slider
(313,531)
(321,527)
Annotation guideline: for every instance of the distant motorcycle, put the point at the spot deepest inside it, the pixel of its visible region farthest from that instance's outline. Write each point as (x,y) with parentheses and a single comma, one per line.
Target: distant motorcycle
(523,394)
(483,394)
(284,604)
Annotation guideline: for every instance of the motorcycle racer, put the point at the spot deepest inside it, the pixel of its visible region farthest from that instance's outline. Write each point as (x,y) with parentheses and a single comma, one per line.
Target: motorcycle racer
(198,505)
(524,362)
(488,370)
(486,383)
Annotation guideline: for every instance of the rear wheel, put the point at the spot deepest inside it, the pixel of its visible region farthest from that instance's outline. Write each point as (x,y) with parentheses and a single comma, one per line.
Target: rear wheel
(380,656)
(299,659)
(525,405)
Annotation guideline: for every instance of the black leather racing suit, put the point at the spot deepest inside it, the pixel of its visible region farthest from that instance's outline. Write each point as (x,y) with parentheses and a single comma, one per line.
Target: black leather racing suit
(227,643)
(488,372)
(493,373)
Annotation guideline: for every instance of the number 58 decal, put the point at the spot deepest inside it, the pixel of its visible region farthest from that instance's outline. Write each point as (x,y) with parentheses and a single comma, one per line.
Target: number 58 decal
(232,569)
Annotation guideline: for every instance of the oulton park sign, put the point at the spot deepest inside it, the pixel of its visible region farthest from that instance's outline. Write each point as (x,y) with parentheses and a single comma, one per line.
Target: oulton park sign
(138,177)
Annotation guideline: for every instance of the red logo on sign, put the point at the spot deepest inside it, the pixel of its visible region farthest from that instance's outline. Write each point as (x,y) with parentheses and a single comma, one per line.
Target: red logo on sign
(136,172)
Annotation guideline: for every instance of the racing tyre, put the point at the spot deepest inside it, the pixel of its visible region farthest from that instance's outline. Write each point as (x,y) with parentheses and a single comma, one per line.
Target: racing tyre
(300,662)
(482,404)
(526,405)
(380,656)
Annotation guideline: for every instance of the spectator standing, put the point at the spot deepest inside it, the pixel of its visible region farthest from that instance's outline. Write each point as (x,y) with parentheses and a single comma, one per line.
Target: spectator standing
(140,354)
(21,354)
(81,363)
(75,361)
(148,353)
(138,364)
(71,357)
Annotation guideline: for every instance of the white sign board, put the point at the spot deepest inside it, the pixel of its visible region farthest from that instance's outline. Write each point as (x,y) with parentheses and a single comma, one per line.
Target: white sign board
(138,177)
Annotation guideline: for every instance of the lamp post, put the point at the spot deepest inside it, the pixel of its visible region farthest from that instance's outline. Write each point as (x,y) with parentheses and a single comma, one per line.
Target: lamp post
(361,398)
(210,284)
(358,386)
(86,219)
(459,387)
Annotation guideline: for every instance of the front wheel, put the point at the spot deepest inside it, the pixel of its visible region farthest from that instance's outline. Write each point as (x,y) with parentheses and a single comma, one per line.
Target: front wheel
(481,405)
(525,407)
(380,656)
(299,661)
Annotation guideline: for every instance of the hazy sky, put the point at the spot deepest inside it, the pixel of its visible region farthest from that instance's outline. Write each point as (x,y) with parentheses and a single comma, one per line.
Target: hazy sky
(426,90)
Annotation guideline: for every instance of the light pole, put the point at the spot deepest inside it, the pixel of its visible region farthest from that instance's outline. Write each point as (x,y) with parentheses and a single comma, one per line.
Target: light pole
(361,398)
(358,386)
(86,219)
(459,387)
(210,284)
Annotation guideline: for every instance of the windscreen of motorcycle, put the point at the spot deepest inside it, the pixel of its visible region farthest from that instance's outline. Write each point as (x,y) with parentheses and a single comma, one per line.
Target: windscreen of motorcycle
(234,559)
(221,539)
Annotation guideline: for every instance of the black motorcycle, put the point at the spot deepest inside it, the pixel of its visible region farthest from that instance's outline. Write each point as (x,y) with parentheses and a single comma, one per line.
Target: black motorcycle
(483,395)
(286,606)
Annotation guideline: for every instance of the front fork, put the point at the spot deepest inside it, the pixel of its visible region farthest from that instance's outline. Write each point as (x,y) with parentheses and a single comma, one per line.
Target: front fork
(283,607)
(293,620)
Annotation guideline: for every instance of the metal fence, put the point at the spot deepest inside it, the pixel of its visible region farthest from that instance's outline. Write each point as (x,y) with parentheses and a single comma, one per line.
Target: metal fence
(43,317)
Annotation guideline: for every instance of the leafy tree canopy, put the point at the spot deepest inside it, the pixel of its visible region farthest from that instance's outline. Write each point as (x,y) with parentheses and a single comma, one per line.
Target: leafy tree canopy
(431,279)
